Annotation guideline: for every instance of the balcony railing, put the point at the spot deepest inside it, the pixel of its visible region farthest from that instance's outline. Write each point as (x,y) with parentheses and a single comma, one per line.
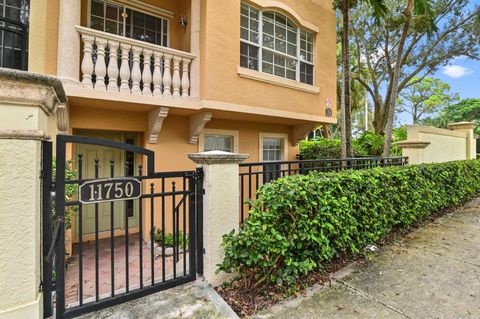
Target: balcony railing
(115,63)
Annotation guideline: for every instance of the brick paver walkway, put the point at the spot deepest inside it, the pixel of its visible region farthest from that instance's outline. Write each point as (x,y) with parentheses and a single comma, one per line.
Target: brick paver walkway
(72,272)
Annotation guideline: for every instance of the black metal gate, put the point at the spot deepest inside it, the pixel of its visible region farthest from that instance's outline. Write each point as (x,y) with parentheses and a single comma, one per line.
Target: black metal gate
(145,226)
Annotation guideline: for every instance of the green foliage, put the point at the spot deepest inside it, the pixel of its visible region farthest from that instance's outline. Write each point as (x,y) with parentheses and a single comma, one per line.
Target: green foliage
(301,222)
(169,239)
(323,148)
(71,190)
(368,144)
(425,96)
(465,110)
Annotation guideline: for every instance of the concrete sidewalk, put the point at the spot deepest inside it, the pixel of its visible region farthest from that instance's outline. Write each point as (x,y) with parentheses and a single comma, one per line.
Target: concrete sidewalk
(196,300)
(432,273)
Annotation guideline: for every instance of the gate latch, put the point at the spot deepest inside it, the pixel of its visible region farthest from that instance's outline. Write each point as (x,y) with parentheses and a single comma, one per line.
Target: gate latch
(56,231)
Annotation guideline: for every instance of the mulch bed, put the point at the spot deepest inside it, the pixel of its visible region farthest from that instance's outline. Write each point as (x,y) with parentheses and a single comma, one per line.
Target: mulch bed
(248,301)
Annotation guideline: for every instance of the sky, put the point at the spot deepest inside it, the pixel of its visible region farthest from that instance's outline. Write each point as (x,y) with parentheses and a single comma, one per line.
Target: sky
(463,76)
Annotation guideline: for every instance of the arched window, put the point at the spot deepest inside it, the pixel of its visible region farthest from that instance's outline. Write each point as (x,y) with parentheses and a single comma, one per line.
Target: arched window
(270,42)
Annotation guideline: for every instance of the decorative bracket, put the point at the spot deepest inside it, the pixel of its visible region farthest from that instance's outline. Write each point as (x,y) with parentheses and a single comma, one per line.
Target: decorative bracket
(197,123)
(300,131)
(155,122)
(62,118)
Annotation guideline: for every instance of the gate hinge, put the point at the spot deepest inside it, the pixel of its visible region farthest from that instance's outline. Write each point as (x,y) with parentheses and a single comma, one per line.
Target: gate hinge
(203,191)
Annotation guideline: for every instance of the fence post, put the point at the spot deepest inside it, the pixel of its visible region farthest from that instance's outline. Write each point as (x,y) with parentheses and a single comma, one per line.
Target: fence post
(467,128)
(26,102)
(220,205)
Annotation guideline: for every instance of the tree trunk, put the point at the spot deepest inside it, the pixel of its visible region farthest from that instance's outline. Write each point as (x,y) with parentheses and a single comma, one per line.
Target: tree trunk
(346,103)
(390,108)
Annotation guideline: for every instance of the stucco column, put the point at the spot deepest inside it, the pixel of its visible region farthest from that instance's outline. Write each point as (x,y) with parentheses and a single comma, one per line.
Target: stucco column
(68,57)
(195,49)
(467,127)
(220,205)
(26,102)
(414,150)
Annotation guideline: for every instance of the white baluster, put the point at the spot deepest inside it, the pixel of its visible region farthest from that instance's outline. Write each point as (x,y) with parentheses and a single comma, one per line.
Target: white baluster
(125,68)
(113,66)
(167,77)
(87,62)
(185,78)
(147,72)
(176,82)
(157,74)
(136,73)
(100,66)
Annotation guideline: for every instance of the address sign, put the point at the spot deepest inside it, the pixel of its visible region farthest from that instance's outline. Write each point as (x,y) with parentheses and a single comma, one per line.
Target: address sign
(107,190)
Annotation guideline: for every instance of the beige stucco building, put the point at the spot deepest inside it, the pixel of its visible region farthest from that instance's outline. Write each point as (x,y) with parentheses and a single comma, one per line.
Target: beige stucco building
(183,76)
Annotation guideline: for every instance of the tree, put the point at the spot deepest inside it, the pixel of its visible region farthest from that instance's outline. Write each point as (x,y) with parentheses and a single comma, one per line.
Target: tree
(467,110)
(423,51)
(425,97)
(378,10)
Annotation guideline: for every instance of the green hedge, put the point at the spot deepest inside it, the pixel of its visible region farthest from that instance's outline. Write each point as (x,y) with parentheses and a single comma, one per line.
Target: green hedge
(303,221)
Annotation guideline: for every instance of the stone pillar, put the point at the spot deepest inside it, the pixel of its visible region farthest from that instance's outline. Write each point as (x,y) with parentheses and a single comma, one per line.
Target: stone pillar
(220,205)
(68,56)
(26,102)
(195,49)
(467,127)
(414,150)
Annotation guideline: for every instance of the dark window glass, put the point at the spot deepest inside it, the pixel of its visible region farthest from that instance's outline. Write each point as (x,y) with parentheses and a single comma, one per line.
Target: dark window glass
(306,73)
(14,16)
(130,171)
(248,56)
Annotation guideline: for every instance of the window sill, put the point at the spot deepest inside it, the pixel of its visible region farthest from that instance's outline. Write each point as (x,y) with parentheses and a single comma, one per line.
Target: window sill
(272,79)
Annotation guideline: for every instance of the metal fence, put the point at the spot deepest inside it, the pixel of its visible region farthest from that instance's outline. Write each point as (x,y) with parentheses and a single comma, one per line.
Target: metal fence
(254,175)
(123,216)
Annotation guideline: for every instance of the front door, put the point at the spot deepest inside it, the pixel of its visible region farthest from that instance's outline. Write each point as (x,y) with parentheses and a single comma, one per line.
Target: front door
(105,156)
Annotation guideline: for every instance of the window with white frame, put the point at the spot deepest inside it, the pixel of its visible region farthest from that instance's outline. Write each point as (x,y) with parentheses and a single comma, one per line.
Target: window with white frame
(216,142)
(121,20)
(272,149)
(271,43)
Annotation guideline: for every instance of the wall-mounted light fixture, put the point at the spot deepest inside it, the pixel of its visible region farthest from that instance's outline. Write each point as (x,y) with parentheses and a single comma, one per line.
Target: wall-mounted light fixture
(183,21)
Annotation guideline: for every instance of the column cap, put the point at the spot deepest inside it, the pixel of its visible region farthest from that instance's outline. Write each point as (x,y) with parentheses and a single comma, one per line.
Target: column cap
(217,157)
(413,144)
(462,125)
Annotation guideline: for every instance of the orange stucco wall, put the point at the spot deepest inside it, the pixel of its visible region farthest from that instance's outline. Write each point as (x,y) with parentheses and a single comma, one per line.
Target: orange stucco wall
(172,147)
(220,47)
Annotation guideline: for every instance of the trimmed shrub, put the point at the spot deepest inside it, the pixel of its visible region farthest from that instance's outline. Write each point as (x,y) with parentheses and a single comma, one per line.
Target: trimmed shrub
(323,148)
(302,221)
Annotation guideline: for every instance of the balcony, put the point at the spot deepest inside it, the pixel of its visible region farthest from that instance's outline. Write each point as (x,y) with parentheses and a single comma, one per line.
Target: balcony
(119,64)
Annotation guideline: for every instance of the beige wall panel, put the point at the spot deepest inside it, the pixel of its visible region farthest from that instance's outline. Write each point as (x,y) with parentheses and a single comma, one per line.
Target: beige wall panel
(43,36)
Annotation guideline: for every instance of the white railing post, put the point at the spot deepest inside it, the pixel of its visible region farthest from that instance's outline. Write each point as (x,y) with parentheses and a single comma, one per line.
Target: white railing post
(157,74)
(147,72)
(167,77)
(113,66)
(185,78)
(87,62)
(170,76)
(136,73)
(125,68)
(100,67)
(176,82)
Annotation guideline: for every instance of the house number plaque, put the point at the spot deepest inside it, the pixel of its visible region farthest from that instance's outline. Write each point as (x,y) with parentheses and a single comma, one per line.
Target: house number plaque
(108,190)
